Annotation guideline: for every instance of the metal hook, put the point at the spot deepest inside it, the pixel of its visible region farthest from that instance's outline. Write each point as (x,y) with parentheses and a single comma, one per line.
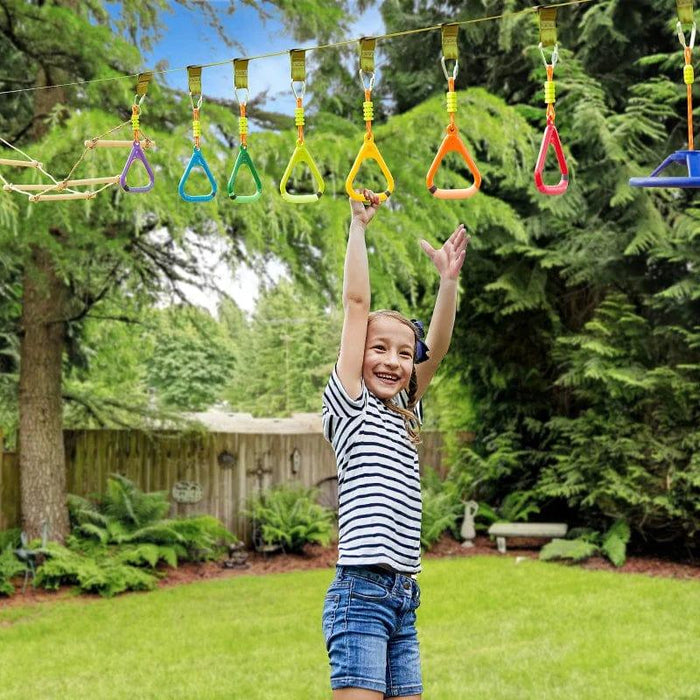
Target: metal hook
(371,80)
(303,88)
(199,101)
(555,55)
(247,95)
(138,101)
(681,35)
(454,71)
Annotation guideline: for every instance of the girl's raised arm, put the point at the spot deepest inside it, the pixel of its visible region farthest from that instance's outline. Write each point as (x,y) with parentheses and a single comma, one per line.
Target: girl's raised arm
(448,260)
(356,297)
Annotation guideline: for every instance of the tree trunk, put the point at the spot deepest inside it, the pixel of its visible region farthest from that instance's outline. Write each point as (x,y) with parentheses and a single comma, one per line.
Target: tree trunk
(42,461)
(41,454)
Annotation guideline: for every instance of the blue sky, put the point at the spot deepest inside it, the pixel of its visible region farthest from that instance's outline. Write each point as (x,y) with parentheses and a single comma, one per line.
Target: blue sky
(188,39)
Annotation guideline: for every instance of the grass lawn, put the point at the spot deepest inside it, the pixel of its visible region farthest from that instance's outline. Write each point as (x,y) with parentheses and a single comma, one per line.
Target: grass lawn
(489,629)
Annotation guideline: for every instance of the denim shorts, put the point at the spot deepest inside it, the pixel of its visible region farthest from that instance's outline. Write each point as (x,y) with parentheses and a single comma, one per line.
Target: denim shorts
(369,624)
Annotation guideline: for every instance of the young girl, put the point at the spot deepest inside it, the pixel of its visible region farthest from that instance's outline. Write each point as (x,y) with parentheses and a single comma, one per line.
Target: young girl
(370,416)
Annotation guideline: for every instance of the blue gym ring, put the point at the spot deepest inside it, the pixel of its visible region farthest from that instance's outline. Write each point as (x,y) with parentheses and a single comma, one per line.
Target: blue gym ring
(197,159)
(691,159)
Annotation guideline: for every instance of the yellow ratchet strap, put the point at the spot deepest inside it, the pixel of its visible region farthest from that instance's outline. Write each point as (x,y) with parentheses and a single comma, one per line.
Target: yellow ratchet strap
(548,25)
(194,79)
(449,41)
(240,73)
(368,150)
(301,152)
(685,11)
(142,83)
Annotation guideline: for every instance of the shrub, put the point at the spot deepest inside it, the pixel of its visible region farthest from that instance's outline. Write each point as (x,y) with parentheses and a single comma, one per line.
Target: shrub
(583,544)
(125,515)
(288,516)
(100,571)
(441,512)
(10,538)
(10,567)
(517,506)
(118,540)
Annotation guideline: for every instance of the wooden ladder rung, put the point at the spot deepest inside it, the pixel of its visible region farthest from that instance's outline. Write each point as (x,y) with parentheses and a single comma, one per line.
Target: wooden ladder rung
(112,180)
(21,163)
(103,143)
(61,197)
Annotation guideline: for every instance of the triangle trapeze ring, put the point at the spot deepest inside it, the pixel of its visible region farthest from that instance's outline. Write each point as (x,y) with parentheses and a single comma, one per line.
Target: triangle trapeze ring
(243,160)
(691,159)
(137,154)
(452,142)
(369,151)
(301,155)
(551,136)
(197,159)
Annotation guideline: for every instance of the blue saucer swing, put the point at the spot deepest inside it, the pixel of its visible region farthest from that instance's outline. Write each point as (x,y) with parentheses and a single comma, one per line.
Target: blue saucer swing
(690,158)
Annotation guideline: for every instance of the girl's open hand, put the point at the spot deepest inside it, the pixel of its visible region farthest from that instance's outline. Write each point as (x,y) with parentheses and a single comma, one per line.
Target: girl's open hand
(363,213)
(449,259)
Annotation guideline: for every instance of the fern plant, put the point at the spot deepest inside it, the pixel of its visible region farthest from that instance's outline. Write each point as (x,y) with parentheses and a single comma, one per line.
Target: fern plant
(585,544)
(441,511)
(10,567)
(288,516)
(100,573)
(127,517)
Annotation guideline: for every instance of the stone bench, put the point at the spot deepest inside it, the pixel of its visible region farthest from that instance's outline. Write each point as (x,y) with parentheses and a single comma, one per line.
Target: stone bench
(546,530)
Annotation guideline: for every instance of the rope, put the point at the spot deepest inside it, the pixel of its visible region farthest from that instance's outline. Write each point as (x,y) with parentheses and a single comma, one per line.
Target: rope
(321,47)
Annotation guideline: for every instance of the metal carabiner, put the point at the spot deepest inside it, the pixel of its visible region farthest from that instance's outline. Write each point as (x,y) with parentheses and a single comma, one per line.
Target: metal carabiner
(139,100)
(303,88)
(555,55)
(199,101)
(454,70)
(371,80)
(239,100)
(681,35)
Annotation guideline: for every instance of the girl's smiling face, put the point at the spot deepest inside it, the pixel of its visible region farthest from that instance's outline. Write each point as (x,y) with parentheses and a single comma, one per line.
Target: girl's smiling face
(388,360)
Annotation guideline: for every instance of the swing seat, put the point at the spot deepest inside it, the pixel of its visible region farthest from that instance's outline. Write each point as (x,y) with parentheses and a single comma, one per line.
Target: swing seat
(691,159)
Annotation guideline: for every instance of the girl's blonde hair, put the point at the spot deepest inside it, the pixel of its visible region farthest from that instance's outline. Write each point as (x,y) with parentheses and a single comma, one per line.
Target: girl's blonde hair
(408,414)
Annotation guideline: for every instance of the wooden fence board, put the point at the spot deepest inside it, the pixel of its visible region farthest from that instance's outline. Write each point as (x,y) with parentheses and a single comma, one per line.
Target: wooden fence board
(157,461)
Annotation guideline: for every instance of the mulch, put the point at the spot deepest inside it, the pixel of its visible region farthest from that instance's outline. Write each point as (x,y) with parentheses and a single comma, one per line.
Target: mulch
(317,557)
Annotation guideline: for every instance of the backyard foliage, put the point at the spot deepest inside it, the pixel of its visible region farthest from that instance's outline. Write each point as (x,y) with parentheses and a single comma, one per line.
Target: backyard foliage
(288,516)
(576,350)
(583,544)
(117,542)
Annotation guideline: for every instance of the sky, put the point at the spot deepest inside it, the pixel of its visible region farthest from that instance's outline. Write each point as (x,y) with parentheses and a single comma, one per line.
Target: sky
(188,40)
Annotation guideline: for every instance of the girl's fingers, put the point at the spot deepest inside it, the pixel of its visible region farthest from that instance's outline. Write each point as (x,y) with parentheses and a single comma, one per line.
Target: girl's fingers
(459,261)
(371,197)
(459,230)
(428,249)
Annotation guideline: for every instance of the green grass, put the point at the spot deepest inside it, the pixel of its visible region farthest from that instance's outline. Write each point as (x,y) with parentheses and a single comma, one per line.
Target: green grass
(489,629)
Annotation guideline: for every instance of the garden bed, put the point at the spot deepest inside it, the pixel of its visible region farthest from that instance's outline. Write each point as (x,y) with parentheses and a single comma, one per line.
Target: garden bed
(318,557)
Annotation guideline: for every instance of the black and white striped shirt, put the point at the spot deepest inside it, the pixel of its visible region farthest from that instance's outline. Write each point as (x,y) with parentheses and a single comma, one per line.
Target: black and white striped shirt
(379,497)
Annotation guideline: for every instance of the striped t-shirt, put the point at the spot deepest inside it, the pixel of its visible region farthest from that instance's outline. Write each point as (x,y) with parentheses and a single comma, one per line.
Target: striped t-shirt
(379,498)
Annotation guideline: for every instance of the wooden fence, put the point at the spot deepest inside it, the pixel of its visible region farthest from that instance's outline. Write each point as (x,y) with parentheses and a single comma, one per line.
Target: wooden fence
(9,489)
(223,468)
